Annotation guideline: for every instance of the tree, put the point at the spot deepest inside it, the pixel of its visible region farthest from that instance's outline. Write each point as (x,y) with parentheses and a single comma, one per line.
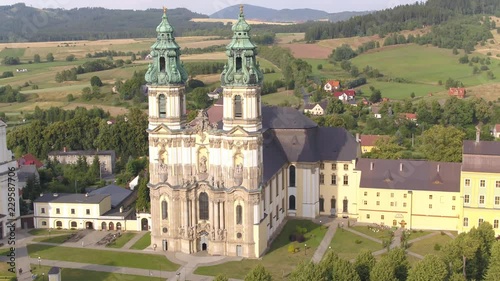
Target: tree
(431,268)
(364,263)
(464,59)
(306,271)
(383,270)
(400,263)
(95,168)
(376,96)
(70,57)
(95,81)
(221,277)
(441,143)
(335,106)
(344,270)
(259,273)
(412,95)
(133,57)
(494,264)
(50,57)
(387,148)
(344,52)
(36,58)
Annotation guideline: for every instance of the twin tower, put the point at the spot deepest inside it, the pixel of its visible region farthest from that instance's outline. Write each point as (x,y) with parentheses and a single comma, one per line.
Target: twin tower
(205,175)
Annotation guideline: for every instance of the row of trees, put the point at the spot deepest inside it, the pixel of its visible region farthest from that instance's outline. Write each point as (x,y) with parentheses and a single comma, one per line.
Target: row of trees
(9,94)
(471,256)
(89,66)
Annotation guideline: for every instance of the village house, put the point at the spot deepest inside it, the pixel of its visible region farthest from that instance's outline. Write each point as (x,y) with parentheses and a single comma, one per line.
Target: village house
(496,131)
(376,111)
(346,95)
(106,158)
(332,85)
(29,159)
(318,109)
(368,142)
(457,92)
(409,116)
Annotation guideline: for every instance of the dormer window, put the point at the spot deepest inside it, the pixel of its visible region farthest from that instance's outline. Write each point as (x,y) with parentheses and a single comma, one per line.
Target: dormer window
(162,106)
(238,64)
(162,64)
(238,110)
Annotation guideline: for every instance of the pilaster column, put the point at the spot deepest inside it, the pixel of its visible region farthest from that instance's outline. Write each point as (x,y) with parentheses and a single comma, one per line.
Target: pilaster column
(217,215)
(186,212)
(193,213)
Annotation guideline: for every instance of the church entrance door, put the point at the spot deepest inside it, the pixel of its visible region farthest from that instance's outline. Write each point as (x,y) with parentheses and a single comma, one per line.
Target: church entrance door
(203,241)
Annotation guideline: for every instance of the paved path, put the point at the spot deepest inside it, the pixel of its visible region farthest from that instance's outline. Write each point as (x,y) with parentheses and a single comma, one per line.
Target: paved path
(423,237)
(450,234)
(325,243)
(134,239)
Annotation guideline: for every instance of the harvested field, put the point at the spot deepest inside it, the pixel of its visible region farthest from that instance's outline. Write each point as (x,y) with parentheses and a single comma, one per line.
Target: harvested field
(308,51)
(225,21)
(287,38)
(211,56)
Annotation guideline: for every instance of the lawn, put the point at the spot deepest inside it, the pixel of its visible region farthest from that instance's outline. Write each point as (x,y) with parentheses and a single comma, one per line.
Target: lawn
(122,240)
(280,98)
(45,231)
(347,245)
(278,261)
(103,257)
(85,275)
(426,246)
(12,52)
(143,242)
(382,234)
(56,239)
(419,233)
(4,271)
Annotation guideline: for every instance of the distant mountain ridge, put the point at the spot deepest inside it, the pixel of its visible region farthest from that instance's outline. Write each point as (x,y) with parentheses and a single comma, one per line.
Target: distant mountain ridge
(284,15)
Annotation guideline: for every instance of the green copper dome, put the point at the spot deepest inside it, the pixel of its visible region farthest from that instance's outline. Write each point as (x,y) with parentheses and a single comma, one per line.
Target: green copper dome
(242,68)
(166,67)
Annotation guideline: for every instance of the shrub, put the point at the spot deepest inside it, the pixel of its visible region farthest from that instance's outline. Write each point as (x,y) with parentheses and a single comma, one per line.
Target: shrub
(442,233)
(437,247)
(291,248)
(489,53)
(300,238)
(70,98)
(292,237)
(357,241)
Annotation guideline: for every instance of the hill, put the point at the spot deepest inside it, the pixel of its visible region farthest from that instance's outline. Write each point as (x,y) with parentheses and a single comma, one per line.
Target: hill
(284,15)
(22,23)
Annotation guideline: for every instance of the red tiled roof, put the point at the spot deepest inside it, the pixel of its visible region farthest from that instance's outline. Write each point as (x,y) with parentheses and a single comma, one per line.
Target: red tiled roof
(334,83)
(369,140)
(349,93)
(497,128)
(411,116)
(29,159)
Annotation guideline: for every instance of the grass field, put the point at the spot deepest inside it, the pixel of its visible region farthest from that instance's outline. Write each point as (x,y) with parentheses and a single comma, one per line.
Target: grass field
(426,246)
(347,245)
(103,257)
(122,240)
(280,98)
(56,239)
(382,234)
(143,242)
(85,275)
(278,261)
(12,52)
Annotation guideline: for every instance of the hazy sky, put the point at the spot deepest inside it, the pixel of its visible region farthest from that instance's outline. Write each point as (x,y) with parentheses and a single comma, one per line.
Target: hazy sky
(211,6)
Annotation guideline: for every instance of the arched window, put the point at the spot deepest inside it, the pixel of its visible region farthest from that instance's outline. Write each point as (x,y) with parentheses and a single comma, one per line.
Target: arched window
(162,106)
(118,226)
(203,202)
(73,224)
(291,176)
(238,109)
(58,223)
(164,210)
(239,214)
(103,225)
(321,204)
(162,64)
(333,202)
(291,202)
(239,63)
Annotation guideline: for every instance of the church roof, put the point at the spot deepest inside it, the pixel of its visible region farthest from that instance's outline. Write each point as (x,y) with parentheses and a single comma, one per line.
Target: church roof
(274,117)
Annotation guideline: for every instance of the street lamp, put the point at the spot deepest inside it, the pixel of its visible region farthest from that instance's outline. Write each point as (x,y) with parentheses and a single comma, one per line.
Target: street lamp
(39,261)
(305,249)
(43,276)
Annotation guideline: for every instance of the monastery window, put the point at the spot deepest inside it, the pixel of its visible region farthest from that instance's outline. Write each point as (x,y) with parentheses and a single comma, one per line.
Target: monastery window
(346,180)
(282,205)
(164,210)
(321,179)
(466,199)
(44,223)
(497,184)
(271,220)
(365,202)
(430,206)
(404,204)
(365,193)
(291,202)
(378,203)
(58,211)
(482,183)
(334,166)
(346,167)
(430,197)
(203,203)
(334,180)
(42,210)
(58,223)
(466,222)
(73,224)
(162,106)
(392,195)
(87,211)
(271,193)
(282,180)
(381,217)
(277,213)
(480,221)
(392,204)
(322,166)
(277,187)
(239,63)
(453,198)
(239,214)
(333,202)
(495,224)
(291,176)
(72,211)
(467,182)
(481,199)
(497,200)
(367,216)
(238,109)
(405,195)
(453,208)
(378,194)
(321,204)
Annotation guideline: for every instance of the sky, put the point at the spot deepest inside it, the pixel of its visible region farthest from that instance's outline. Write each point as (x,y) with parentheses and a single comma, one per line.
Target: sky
(210,6)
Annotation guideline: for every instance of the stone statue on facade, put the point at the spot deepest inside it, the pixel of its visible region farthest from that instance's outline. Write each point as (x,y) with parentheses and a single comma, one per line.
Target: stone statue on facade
(202,167)
(181,231)
(213,233)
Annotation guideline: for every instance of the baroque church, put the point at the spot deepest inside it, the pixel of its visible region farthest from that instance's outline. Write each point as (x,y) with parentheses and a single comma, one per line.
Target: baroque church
(226,182)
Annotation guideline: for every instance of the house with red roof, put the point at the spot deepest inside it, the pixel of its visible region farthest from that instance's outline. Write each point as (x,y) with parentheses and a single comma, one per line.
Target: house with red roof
(496,131)
(368,142)
(346,95)
(457,92)
(29,159)
(332,85)
(409,116)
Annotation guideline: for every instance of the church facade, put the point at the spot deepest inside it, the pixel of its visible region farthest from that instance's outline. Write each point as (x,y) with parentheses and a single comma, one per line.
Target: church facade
(226,182)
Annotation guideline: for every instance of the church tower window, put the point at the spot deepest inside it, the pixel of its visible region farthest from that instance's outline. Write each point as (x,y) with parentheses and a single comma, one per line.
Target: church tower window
(164,210)
(238,110)
(239,214)
(291,176)
(203,202)
(162,106)
(238,64)
(162,64)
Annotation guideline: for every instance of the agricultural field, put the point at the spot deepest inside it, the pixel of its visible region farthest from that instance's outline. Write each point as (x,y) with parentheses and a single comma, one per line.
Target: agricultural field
(233,21)
(308,51)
